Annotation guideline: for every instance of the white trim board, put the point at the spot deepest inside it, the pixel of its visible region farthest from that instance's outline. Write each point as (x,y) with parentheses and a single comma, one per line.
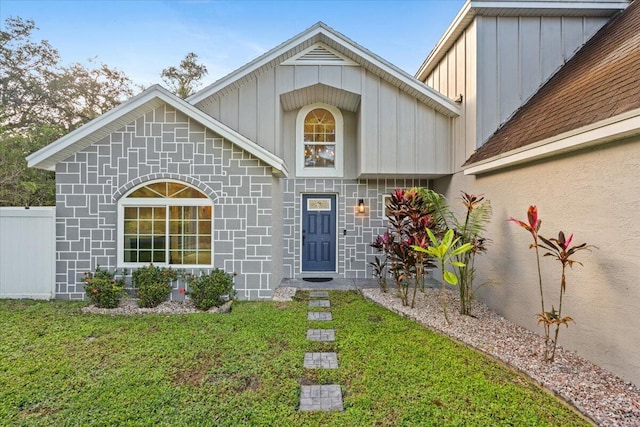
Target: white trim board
(320,32)
(49,156)
(604,131)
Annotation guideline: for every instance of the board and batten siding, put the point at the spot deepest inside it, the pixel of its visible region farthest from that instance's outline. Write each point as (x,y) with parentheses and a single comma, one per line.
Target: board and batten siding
(27,252)
(455,75)
(503,62)
(401,135)
(395,133)
(254,109)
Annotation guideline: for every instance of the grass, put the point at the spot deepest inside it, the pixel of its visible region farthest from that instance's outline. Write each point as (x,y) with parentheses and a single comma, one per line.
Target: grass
(61,367)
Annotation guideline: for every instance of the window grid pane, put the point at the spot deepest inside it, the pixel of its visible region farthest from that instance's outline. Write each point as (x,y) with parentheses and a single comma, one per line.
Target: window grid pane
(144,238)
(190,234)
(189,227)
(320,134)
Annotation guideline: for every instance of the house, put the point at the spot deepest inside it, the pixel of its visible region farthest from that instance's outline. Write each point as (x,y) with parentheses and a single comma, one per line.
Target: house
(551,117)
(279,170)
(258,174)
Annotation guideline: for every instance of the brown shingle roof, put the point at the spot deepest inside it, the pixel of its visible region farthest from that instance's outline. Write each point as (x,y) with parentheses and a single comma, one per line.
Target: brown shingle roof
(601,81)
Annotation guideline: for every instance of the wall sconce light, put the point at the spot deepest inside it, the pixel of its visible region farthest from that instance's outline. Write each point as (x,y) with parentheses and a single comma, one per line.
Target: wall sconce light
(361,206)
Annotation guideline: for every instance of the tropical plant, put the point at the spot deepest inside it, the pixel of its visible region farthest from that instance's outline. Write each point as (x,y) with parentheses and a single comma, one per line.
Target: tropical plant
(445,251)
(532,227)
(560,250)
(152,284)
(102,288)
(379,269)
(210,290)
(409,216)
(468,230)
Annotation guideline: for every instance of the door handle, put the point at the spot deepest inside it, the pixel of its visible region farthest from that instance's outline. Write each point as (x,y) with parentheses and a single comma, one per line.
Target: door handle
(303,236)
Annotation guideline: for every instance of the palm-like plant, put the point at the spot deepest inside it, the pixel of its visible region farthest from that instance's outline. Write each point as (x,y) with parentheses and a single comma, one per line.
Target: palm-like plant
(468,230)
(445,251)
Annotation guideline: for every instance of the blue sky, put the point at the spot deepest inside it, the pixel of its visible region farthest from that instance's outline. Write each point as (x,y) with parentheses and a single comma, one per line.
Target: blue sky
(141,37)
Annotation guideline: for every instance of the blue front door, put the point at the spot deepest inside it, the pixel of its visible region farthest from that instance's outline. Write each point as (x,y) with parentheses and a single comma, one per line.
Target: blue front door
(318,232)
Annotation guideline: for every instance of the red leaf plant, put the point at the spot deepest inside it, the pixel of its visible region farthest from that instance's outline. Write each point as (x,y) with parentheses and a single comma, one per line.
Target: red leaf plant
(561,250)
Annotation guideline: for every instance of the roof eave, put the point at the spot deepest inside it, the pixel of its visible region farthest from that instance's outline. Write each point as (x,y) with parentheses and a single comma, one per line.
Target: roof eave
(612,129)
(432,97)
(43,158)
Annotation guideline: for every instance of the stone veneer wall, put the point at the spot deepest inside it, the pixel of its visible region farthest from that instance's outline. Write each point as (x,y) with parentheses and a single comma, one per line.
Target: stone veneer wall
(354,252)
(163,144)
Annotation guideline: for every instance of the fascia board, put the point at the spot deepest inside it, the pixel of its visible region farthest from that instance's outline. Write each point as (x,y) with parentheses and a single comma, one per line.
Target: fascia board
(40,156)
(452,108)
(253,65)
(447,106)
(82,135)
(616,128)
(514,6)
(457,26)
(226,132)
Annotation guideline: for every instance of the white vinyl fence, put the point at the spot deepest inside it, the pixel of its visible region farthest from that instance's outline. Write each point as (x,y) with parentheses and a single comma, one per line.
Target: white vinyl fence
(27,252)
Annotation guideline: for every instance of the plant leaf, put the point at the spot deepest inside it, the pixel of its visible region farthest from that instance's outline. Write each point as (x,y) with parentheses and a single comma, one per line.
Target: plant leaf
(450,278)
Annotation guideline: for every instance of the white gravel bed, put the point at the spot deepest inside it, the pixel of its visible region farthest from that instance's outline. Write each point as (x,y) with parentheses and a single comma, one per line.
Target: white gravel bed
(283,294)
(129,306)
(605,398)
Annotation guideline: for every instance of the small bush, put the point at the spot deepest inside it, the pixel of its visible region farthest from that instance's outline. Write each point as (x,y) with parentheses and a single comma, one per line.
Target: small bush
(152,284)
(210,290)
(102,289)
(153,294)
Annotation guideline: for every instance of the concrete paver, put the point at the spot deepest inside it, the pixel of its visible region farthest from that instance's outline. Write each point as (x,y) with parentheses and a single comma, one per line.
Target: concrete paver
(318,294)
(324,335)
(319,303)
(321,361)
(321,398)
(319,316)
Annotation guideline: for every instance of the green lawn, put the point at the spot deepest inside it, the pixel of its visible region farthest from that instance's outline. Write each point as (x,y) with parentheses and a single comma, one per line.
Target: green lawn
(61,367)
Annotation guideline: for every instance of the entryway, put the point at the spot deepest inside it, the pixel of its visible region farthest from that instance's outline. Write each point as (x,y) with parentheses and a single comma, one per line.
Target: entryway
(319,240)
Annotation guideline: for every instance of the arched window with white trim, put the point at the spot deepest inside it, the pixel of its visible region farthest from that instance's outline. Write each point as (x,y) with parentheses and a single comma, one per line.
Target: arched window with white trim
(166,223)
(319,141)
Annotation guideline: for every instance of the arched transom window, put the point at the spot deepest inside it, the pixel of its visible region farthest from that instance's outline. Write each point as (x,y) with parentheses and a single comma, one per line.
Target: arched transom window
(165,222)
(319,141)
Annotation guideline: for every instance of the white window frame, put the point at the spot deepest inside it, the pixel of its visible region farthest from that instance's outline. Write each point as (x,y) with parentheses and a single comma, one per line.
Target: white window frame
(338,170)
(158,202)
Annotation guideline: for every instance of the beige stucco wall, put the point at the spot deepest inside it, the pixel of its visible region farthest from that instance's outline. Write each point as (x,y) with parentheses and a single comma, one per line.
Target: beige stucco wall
(595,194)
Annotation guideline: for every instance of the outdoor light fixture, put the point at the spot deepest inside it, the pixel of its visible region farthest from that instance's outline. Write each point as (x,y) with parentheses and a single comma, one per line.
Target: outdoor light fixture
(360,205)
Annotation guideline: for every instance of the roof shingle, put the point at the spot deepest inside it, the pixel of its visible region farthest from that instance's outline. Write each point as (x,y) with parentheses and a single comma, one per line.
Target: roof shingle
(601,81)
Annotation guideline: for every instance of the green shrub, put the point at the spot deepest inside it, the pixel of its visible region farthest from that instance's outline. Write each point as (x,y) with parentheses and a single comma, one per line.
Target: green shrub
(152,284)
(153,294)
(102,288)
(210,290)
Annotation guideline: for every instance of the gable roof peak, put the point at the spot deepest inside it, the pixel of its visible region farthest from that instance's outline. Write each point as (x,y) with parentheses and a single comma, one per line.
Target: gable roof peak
(142,103)
(321,32)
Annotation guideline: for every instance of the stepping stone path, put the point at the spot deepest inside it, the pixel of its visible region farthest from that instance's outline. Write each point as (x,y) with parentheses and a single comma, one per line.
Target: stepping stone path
(319,294)
(320,303)
(323,335)
(319,316)
(320,361)
(321,397)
